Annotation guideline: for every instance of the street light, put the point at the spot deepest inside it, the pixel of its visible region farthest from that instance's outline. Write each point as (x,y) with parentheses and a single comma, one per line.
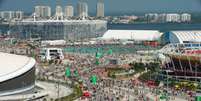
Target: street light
(167,79)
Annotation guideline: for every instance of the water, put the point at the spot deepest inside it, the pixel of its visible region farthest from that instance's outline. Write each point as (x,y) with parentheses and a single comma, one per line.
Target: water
(164,27)
(4,28)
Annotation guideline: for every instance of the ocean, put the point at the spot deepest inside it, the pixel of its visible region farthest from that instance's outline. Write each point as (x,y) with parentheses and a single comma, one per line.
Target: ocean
(163,27)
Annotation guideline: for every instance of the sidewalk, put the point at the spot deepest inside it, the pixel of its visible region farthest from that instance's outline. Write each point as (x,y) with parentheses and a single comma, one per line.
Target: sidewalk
(152,97)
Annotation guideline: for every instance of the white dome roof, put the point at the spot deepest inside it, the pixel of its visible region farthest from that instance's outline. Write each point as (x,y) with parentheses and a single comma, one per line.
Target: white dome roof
(14,65)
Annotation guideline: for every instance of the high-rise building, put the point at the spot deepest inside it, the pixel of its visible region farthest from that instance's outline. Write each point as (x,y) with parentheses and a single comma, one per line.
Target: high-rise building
(162,18)
(19,15)
(59,11)
(82,8)
(185,17)
(43,11)
(100,8)
(151,17)
(173,18)
(85,9)
(79,8)
(8,15)
(69,11)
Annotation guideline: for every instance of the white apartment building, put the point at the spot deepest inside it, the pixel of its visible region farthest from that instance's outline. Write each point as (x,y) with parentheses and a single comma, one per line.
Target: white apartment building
(185,17)
(173,18)
(69,11)
(43,11)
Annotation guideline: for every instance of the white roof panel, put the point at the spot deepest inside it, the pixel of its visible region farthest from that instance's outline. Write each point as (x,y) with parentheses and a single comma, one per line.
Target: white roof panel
(139,35)
(14,65)
(188,35)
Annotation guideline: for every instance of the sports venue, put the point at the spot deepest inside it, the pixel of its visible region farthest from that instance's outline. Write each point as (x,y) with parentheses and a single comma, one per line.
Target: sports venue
(58,29)
(17,74)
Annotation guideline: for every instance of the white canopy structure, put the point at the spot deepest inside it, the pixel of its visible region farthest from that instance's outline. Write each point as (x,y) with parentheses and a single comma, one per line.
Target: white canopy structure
(53,42)
(138,35)
(184,36)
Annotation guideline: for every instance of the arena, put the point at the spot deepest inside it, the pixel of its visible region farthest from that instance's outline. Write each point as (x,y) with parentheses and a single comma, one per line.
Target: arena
(192,36)
(17,74)
(59,29)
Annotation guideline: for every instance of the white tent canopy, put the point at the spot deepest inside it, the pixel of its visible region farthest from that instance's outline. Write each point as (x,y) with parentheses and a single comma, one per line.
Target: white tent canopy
(138,35)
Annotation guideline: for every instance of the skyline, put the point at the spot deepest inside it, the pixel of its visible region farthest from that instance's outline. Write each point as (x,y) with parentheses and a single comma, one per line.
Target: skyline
(132,6)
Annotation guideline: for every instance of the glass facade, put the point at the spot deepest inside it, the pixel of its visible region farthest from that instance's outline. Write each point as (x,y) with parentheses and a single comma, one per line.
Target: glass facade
(58,30)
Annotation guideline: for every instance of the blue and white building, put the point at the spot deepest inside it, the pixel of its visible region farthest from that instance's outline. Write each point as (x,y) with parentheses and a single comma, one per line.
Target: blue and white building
(182,37)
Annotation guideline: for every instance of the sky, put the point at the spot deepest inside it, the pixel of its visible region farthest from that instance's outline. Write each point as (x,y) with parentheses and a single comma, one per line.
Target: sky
(112,6)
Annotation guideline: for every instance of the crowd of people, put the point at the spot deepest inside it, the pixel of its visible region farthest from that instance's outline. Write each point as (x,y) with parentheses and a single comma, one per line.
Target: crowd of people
(107,89)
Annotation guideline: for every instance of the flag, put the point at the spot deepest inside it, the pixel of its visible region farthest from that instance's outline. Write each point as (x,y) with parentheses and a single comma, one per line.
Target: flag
(98,55)
(94,79)
(97,62)
(76,73)
(110,52)
(68,72)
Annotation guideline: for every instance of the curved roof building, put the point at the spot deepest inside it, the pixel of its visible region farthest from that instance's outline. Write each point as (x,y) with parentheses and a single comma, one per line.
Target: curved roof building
(184,36)
(138,35)
(17,73)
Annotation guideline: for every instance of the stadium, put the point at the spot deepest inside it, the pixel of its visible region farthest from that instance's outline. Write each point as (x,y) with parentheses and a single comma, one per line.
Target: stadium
(58,29)
(17,74)
(183,60)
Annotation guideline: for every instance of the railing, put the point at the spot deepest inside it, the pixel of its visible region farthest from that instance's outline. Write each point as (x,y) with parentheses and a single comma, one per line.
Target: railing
(177,47)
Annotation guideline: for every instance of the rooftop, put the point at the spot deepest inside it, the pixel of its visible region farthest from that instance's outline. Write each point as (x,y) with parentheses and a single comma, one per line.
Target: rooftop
(191,36)
(139,35)
(14,65)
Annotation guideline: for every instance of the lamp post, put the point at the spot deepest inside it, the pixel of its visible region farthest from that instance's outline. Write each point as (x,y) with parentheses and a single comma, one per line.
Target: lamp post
(167,79)
(58,90)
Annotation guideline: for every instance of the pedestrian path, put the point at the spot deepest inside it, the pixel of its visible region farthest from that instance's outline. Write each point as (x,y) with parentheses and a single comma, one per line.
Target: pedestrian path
(154,97)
